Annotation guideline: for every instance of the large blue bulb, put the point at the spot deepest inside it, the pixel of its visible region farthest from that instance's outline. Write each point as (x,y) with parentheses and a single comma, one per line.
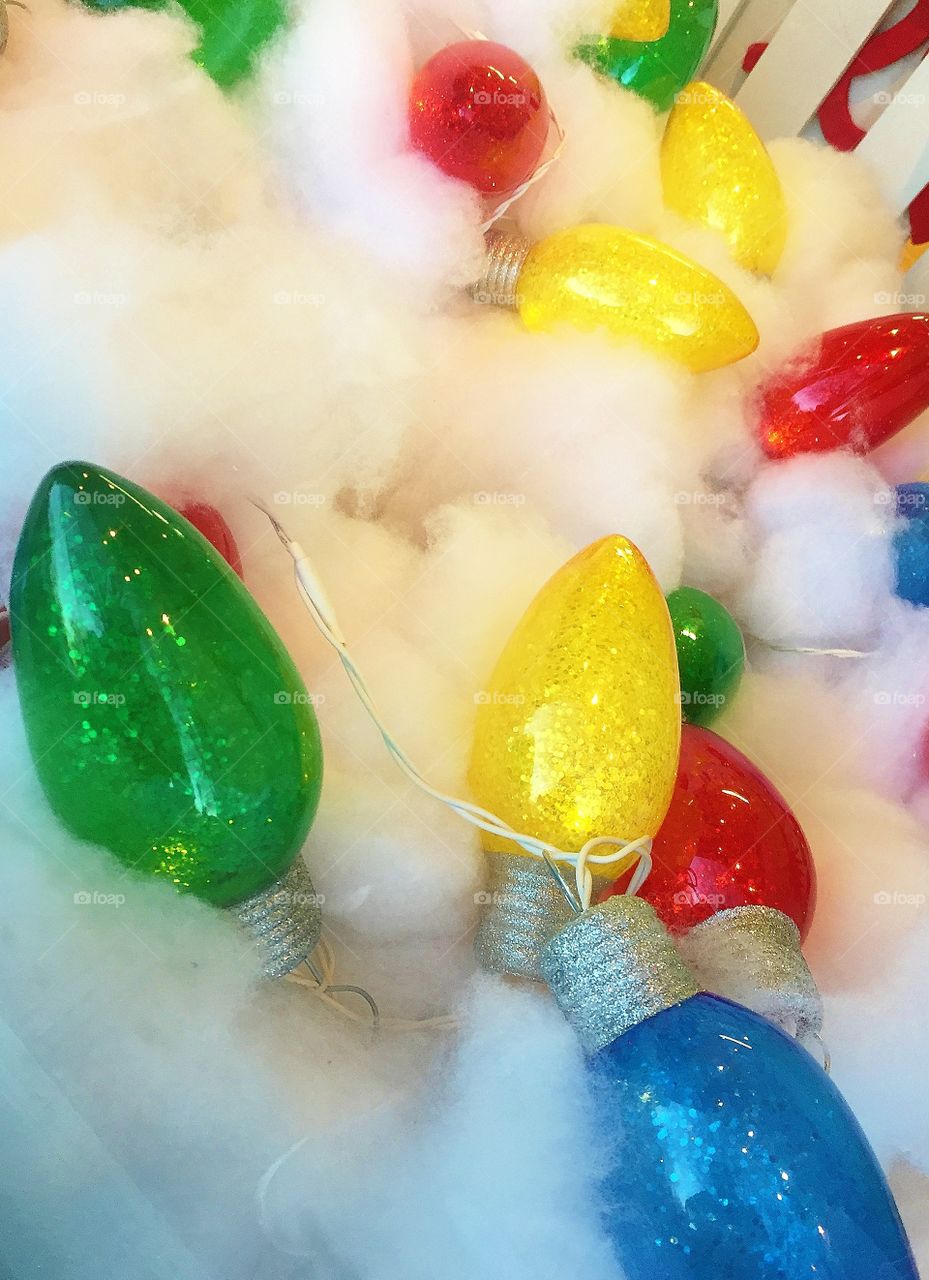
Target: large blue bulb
(732,1156)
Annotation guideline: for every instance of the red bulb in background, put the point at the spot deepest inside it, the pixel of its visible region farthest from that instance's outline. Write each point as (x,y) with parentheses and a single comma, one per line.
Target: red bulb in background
(4,636)
(477,110)
(853,388)
(728,840)
(214,528)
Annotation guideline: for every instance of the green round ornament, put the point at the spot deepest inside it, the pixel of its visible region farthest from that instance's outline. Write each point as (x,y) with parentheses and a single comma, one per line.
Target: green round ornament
(165,718)
(710,653)
(657,69)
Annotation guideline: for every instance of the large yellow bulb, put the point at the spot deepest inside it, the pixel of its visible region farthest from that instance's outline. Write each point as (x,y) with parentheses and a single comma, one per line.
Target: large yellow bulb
(715,171)
(578,733)
(602,277)
(641,20)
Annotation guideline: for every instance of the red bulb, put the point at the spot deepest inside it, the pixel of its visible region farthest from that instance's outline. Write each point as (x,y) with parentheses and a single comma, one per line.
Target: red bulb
(853,388)
(477,110)
(4,636)
(214,528)
(728,840)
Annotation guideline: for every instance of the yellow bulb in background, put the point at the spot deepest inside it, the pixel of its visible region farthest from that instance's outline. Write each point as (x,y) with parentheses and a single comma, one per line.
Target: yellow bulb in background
(579,732)
(641,20)
(601,277)
(715,171)
(911,253)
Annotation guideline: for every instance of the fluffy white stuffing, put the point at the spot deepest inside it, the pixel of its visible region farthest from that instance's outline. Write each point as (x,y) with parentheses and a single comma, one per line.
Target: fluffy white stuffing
(261,294)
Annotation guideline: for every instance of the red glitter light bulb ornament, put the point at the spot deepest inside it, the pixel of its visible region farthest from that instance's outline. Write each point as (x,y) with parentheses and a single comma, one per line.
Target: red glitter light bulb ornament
(729,839)
(852,388)
(733,877)
(478,111)
(214,528)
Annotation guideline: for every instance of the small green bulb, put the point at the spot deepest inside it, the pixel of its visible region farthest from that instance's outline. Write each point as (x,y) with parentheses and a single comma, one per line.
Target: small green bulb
(710,653)
(232,32)
(165,718)
(657,69)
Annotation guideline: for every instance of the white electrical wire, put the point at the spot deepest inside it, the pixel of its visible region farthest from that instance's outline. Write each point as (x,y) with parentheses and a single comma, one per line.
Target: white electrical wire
(536,176)
(317,602)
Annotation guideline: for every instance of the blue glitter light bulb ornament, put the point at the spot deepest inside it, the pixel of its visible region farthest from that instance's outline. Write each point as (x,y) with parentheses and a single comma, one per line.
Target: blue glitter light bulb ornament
(911,543)
(729,1151)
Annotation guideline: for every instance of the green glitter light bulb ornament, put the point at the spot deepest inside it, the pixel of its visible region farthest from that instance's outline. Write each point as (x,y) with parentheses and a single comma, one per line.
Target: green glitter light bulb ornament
(657,69)
(710,653)
(165,718)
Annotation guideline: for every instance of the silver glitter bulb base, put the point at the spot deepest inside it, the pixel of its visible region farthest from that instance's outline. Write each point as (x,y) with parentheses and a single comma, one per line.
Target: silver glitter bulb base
(523,907)
(612,967)
(752,955)
(284,920)
(506,253)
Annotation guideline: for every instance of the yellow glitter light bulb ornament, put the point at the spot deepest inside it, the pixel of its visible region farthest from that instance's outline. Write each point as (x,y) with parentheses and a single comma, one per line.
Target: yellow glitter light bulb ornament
(715,171)
(631,286)
(577,736)
(641,20)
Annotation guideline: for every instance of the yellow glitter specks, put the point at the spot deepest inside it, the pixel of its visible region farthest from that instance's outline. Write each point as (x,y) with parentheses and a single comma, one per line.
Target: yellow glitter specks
(601,277)
(580,731)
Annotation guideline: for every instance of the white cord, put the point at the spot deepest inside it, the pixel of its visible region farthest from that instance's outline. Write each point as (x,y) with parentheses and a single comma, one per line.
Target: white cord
(537,175)
(317,602)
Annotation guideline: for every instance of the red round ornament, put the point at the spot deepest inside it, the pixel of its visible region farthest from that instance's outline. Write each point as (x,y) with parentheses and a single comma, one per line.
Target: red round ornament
(214,528)
(478,111)
(729,840)
(853,388)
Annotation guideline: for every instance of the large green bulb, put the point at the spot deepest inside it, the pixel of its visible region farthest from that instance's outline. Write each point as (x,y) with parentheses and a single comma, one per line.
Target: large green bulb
(710,653)
(657,69)
(165,718)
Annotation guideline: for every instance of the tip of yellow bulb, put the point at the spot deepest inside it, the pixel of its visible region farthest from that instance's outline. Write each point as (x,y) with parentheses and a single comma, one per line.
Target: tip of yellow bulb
(715,170)
(578,731)
(641,20)
(911,253)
